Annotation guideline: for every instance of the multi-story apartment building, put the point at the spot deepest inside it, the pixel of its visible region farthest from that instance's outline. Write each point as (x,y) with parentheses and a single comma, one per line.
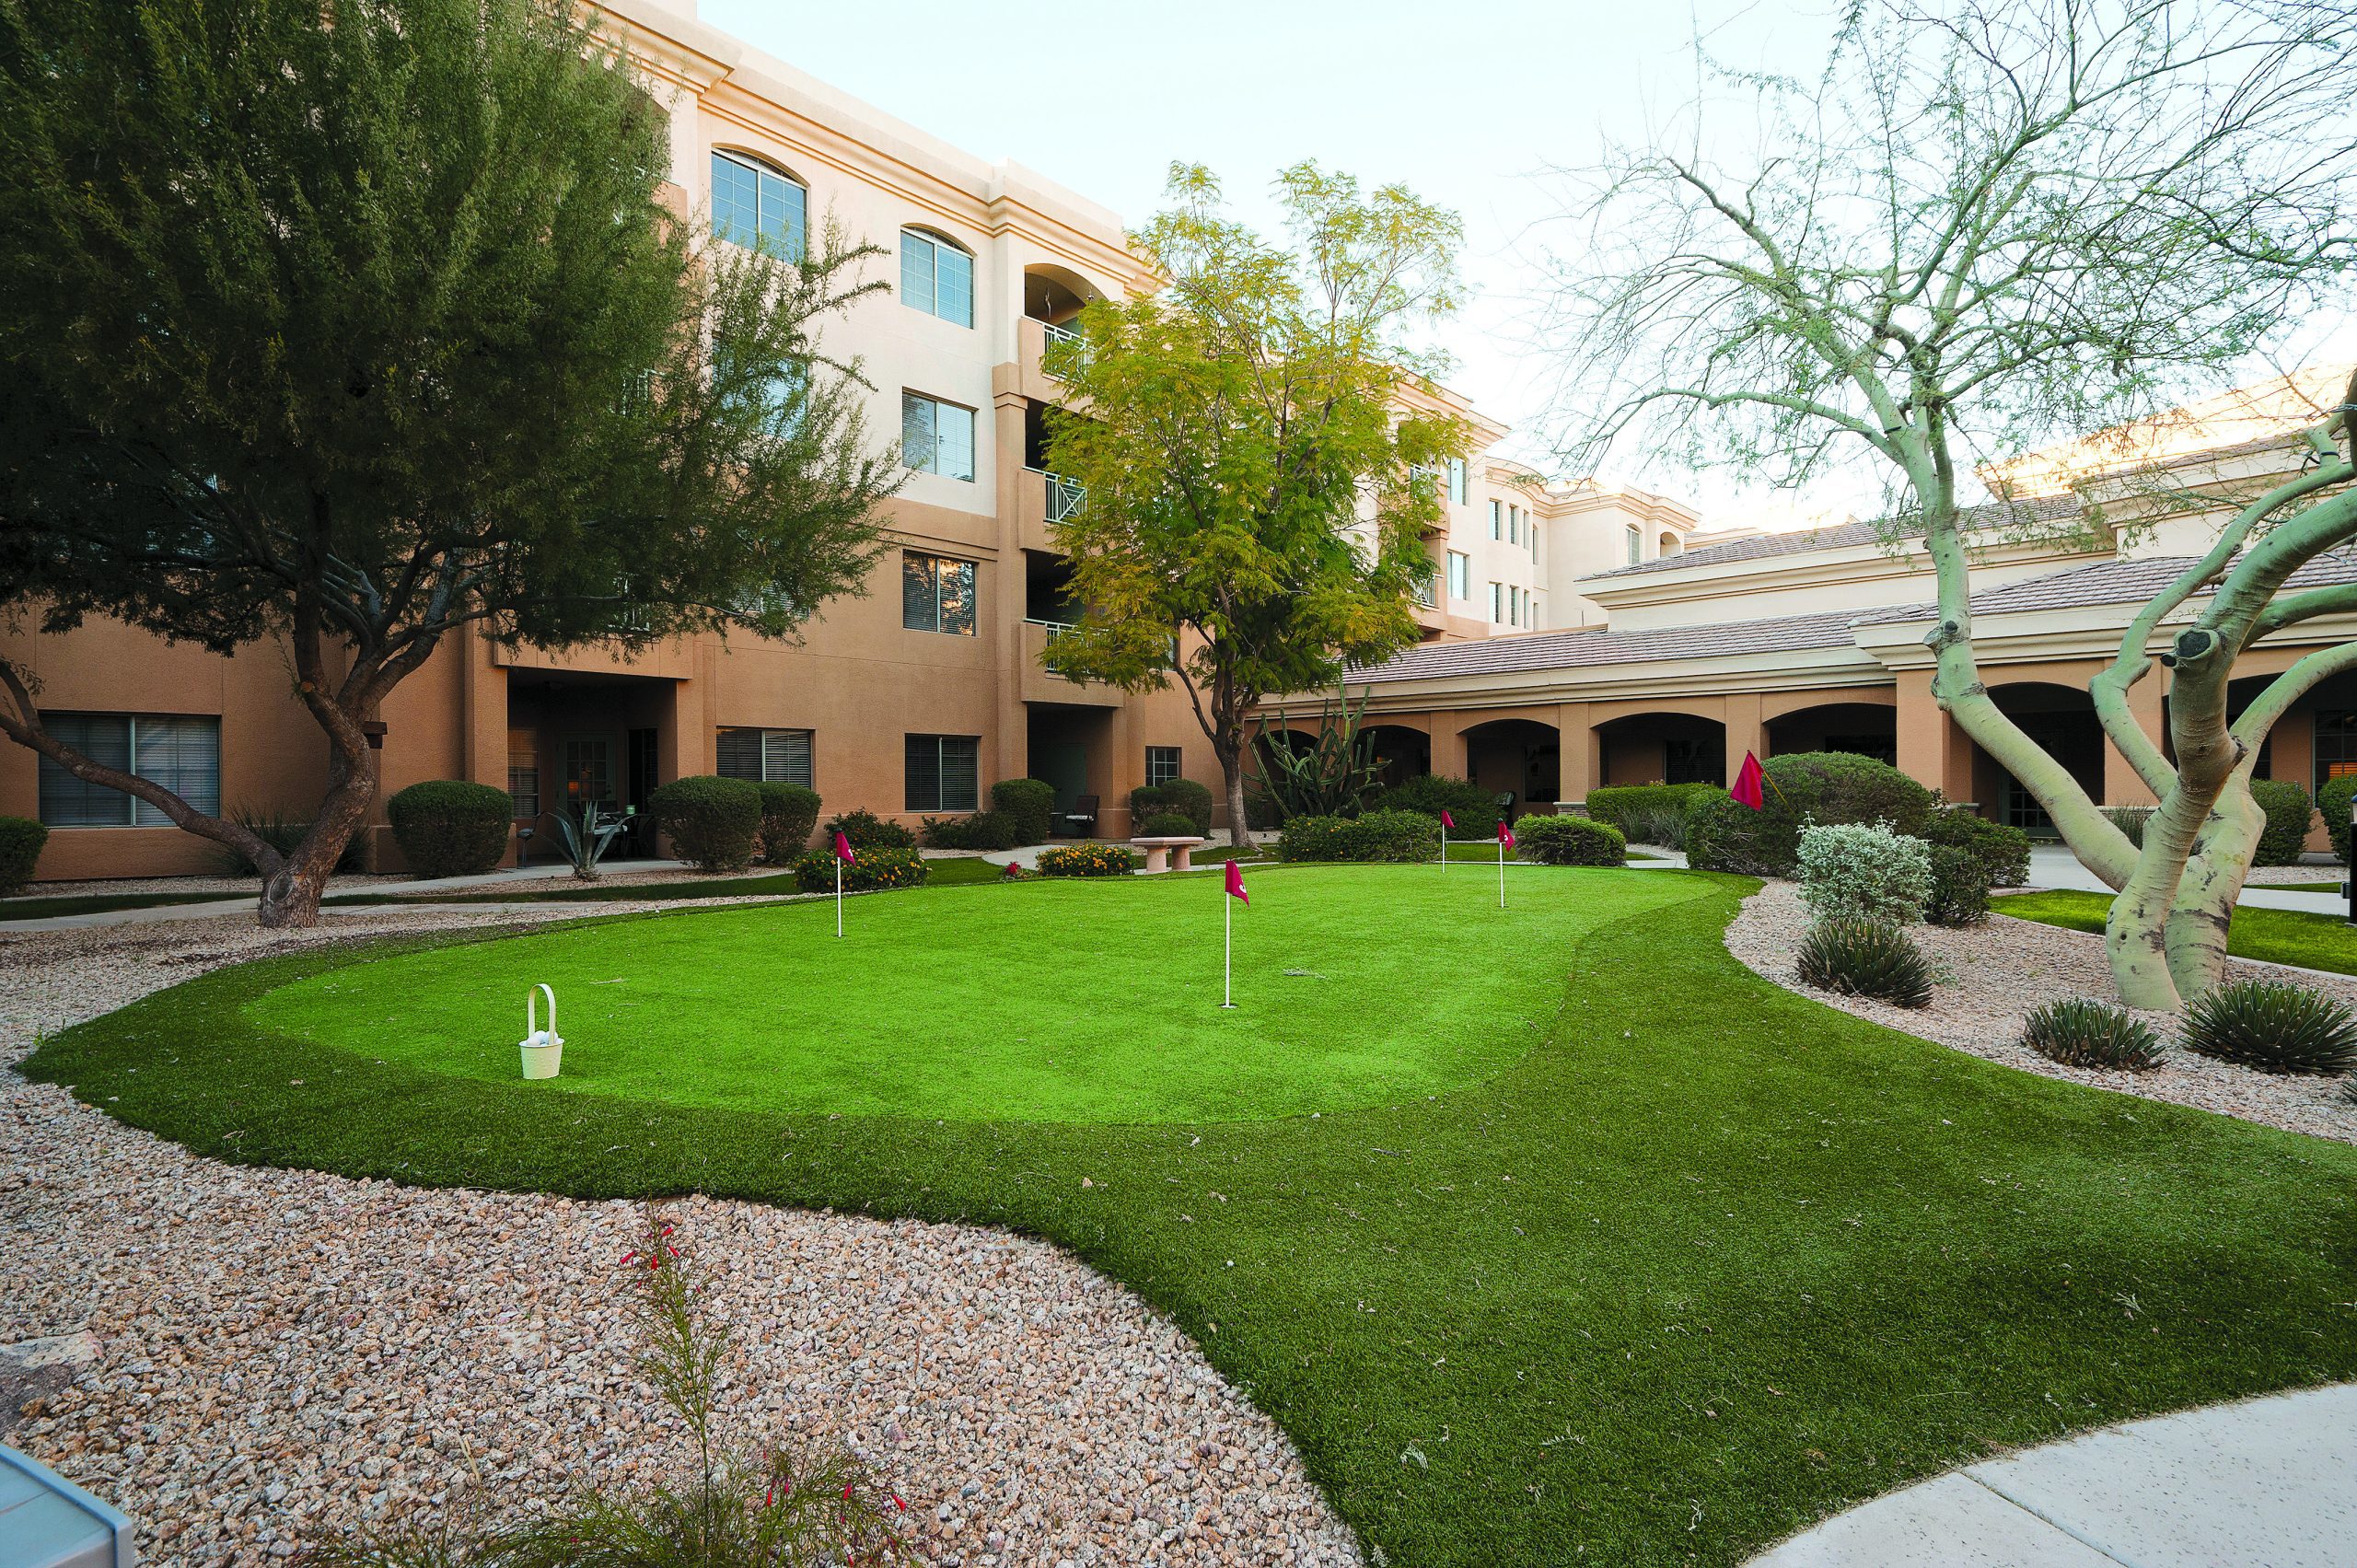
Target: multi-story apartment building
(908,700)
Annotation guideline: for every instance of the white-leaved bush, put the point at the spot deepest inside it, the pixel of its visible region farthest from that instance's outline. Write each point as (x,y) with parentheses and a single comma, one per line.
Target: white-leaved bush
(1864,871)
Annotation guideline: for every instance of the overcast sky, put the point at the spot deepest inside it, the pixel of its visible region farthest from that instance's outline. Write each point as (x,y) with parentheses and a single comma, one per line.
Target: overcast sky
(1467,104)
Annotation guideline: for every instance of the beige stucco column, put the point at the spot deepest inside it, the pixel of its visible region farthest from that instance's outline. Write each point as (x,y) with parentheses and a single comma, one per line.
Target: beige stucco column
(1932,750)
(2123,786)
(1006,751)
(1746,731)
(482,702)
(1579,755)
(1451,756)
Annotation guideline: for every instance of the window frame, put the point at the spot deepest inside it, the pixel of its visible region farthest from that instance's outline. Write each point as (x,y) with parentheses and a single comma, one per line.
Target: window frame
(1497,517)
(1497,604)
(1159,757)
(1460,486)
(934,241)
(1460,577)
(764,772)
(2344,739)
(971,580)
(911,399)
(794,244)
(1636,539)
(136,813)
(912,744)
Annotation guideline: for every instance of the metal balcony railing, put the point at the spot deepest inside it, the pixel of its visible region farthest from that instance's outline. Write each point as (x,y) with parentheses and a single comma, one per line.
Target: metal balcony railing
(1064,497)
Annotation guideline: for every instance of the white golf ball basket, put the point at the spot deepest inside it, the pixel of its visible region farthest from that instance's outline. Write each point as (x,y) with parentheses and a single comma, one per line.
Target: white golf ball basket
(543,1048)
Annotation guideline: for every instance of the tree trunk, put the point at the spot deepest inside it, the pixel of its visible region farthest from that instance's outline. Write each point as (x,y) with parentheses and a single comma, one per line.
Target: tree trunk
(2204,905)
(1231,773)
(291,893)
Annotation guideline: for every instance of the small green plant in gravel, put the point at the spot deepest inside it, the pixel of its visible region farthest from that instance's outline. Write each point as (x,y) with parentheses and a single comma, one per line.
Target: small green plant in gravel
(1959,894)
(1864,957)
(2273,1026)
(2079,1031)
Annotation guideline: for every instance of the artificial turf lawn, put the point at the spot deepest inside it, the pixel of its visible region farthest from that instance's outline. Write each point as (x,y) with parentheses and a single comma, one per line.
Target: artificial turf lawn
(1707,1261)
(2272,935)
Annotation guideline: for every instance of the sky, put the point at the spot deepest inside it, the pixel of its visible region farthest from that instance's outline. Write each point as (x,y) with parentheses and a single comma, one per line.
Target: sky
(1469,106)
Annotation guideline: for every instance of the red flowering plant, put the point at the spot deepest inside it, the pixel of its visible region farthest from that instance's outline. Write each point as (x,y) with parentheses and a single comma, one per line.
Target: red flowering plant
(732,1508)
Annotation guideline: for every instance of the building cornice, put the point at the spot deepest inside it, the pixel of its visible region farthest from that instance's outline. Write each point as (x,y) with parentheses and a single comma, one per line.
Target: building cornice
(1836,567)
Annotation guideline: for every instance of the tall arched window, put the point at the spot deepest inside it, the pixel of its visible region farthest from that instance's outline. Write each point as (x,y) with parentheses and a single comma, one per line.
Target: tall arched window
(936,276)
(752,200)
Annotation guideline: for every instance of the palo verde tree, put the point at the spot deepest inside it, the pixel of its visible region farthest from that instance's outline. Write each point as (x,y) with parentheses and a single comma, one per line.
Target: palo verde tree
(352,328)
(1256,480)
(1985,227)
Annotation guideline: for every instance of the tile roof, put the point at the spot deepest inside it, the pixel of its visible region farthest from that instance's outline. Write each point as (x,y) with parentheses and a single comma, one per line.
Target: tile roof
(1761,547)
(1571,650)
(2117,581)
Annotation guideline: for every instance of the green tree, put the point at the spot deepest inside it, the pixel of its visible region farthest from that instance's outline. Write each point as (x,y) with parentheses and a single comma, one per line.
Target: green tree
(1981,229)
(1256,467)
(352,328)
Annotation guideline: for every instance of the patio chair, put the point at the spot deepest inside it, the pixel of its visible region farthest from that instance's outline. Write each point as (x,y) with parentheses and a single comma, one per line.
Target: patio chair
(1081,821)
(1505,804)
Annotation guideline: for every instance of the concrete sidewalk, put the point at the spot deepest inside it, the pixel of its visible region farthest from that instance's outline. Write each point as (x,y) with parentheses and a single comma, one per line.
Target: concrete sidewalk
(2261,1484)
(2051,866)
(243,903)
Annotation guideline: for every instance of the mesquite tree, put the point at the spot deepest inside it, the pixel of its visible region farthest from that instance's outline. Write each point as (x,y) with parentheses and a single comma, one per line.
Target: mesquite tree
(1982,228)
(1255,485)
(354,329)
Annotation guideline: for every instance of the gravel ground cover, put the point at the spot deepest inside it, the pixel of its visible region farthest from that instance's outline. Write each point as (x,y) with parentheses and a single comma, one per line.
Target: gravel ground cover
(257,1355)
(1992,975)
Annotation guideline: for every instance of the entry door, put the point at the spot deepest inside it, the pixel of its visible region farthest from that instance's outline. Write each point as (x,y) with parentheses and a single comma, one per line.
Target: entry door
(589,763)
(1063,763)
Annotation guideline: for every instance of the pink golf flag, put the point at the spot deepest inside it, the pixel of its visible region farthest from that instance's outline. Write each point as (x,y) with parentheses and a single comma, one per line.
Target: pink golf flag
(1746,789)
(1236,883)
(1505,835)
(842,849)
(1445,819)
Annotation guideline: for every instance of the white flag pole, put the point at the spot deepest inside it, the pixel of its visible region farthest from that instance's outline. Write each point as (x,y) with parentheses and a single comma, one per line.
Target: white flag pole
(839,895)
(1227,957)
(1444,849)
(1501,873)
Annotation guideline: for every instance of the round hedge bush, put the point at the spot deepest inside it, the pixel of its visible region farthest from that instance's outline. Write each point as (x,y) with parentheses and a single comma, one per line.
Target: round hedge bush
(1184,797)
(2001,850)
(871,870)
(2274,1027)
(1569,840)
(1096,858)
(865,830)
(450,827)
(2332,803)
(2289,811)
(1169,825)
(1028,804)
(1378,836)
(1959,894)
(20,842)
(1819,787)
(2081,1032)
(789,816)
(1864,957)
(713,822)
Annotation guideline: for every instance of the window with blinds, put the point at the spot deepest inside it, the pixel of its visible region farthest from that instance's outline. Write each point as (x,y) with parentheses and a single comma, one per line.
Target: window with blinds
(179,752)
(943,773)
(766,756)
(936,594)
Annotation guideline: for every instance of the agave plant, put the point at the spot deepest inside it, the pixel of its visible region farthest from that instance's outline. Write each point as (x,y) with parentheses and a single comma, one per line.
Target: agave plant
(2274,1027)
(1334,775)
(589,836)
(1864,957)
(2079,1031)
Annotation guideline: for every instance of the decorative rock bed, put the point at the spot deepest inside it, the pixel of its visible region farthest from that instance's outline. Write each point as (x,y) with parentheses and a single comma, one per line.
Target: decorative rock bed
(1990,976)
(280,1354)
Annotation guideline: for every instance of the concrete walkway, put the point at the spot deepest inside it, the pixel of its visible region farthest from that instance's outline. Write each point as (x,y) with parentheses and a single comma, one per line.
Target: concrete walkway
(2261,1484)
(2051,866)
(243,903)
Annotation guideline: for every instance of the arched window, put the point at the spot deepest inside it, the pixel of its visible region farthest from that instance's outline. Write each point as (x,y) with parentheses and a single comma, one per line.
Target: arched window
(752,202)
(936,276)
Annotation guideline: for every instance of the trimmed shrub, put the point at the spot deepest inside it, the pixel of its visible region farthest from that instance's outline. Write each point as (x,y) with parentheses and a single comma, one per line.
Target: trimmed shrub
(984,830)
(713,822)
(2289,812)
(2332,803)
(1392,836)
(2273,1026)
(1864,957)
(1569,840)
(1183,796)
(1959,894)
(1169,825)
(2002,851)
(1096,858)
(20,842)
(1863,871)
(2129,821)
(1474,809)
(873,869)
(865,830)
(450,827)
(1826,787)
(1030,804)
(789,816)
(1648,814)
(2081,1032)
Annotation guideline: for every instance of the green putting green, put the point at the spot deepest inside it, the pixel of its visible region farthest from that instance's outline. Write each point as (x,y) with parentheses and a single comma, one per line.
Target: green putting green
(1074,1002)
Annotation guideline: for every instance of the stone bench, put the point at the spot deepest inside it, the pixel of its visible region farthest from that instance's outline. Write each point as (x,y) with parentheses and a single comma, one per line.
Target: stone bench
(1158,853)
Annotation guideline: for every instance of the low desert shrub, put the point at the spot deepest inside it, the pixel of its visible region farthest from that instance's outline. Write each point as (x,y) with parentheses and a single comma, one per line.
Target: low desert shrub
(2273,1026)
(873,869)
(1864,871)
(2289,812)
(1377,836)
(2129,821)
(1569,840)
(1096,858)
(284,833)
(984,829)
(1648,814)
(865,829)
(713,822)
(2081,1032)
(1474,809)
(789,816)
(1183,796)
(1826,787)
(451,826)
(1029,803)
(1169,825)
(1864,957)
(20,842)
(1959,894)
(2332,803)
(2002,851)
